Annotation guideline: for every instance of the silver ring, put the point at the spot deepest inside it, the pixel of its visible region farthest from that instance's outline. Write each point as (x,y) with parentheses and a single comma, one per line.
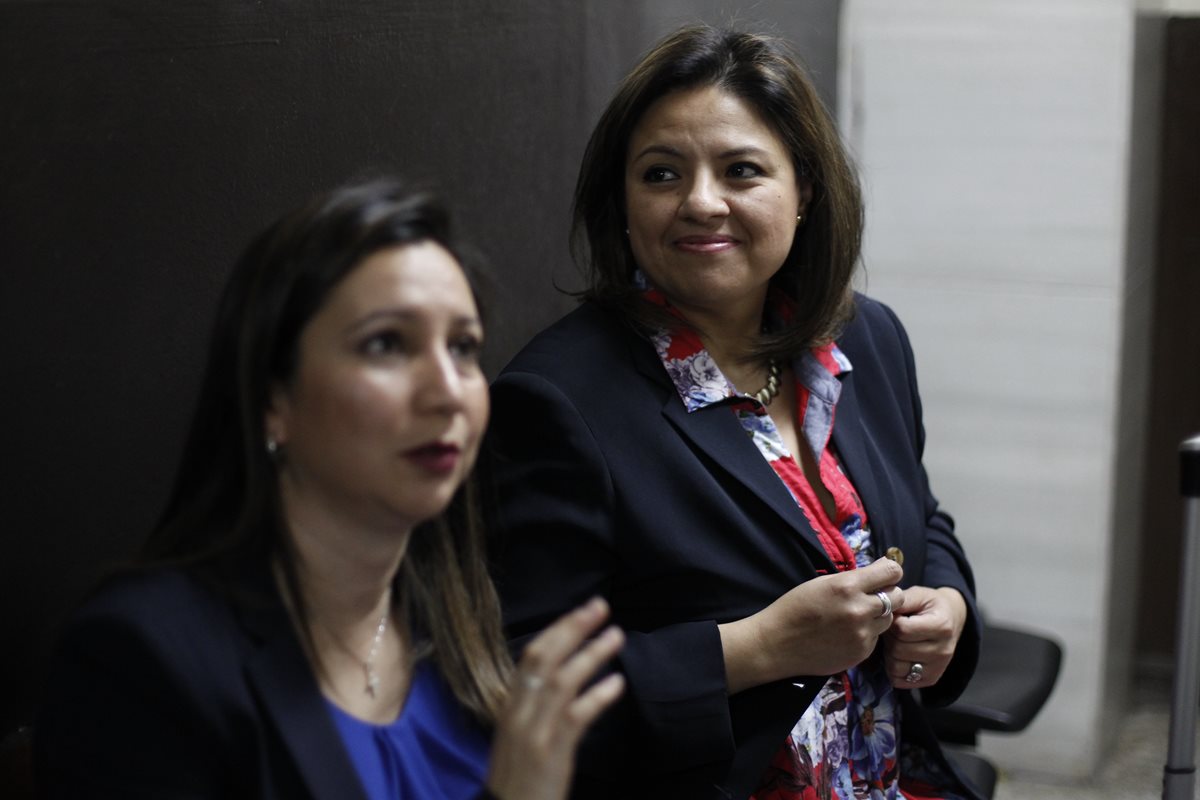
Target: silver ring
(531,682)
(915,672)
(887,603)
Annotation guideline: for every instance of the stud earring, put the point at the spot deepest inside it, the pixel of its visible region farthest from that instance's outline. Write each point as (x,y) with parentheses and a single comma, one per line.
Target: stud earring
(799,218)
(272,446)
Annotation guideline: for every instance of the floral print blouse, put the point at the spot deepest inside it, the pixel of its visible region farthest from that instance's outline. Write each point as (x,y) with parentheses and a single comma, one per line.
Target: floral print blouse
(844,746)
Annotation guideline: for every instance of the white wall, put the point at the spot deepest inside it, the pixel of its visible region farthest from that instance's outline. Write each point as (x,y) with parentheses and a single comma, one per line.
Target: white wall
(994,141)
(1176,8)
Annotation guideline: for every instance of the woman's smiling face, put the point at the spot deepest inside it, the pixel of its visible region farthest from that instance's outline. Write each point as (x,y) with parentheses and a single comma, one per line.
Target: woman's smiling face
(383,418)
(711,199)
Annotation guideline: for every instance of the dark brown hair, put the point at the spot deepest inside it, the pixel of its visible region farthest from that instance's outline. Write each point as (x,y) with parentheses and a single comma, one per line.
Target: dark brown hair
(760,70)
(224,511)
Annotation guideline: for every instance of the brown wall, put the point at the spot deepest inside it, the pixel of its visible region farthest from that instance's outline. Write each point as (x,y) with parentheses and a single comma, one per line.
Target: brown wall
(1174,404)
(141,144)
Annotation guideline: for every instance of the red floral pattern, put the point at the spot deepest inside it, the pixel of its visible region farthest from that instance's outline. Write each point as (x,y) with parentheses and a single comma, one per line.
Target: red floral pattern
(845,745)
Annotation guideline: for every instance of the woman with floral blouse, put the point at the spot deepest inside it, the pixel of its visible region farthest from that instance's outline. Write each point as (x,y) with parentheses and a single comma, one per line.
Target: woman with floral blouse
(724,440)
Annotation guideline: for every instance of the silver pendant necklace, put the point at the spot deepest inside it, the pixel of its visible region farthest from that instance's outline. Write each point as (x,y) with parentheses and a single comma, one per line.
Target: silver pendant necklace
(371,677)
(369,665)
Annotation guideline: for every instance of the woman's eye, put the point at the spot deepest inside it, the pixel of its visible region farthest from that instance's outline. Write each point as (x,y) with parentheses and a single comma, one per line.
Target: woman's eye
(466,348)
(659,175)
(744,169)
(382,343)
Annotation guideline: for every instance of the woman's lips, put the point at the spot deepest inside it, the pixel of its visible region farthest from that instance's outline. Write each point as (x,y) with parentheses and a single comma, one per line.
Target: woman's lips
(437,458)
(705,244)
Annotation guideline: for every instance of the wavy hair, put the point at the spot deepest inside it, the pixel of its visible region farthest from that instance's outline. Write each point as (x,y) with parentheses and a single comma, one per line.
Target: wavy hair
(818,271)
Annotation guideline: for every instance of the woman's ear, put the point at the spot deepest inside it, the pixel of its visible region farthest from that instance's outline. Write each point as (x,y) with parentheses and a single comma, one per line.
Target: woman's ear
(804,188)
(276,418)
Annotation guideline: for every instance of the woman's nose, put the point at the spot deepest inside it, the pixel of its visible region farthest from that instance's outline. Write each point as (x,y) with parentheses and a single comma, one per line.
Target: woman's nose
(704,199)
(442,382)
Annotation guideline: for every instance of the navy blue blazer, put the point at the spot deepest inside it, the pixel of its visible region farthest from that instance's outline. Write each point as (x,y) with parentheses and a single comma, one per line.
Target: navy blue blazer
(162,689)
(603,484)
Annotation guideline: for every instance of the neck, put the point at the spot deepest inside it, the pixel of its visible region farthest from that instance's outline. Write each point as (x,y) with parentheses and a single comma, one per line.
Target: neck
(344,569)
(727,333)
(344,574)
(729,342)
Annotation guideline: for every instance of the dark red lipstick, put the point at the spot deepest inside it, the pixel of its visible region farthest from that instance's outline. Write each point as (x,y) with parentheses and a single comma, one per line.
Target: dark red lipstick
(438,458)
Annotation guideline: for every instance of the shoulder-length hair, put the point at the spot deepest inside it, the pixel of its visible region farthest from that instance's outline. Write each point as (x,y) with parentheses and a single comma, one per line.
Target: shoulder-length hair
(225,509)
(817,273)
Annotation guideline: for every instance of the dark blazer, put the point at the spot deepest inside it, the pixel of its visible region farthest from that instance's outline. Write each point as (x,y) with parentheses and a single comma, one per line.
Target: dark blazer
(162,689)
(605,485)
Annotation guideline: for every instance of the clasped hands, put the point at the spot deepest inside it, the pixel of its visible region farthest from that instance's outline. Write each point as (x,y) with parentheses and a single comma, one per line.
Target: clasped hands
(833,622)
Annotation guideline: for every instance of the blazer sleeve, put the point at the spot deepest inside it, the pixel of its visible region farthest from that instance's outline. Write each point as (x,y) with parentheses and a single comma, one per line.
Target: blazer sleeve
(120,716)
(556,528)
(946,563)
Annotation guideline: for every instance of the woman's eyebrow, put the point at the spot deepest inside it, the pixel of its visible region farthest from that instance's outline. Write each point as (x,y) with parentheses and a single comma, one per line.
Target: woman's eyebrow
(407,315)
(659,149)
(747,150)
(400,314)
(733,152)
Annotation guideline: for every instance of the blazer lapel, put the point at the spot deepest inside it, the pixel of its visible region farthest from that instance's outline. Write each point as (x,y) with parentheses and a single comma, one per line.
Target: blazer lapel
(280,675)
(855,446)
(716,431)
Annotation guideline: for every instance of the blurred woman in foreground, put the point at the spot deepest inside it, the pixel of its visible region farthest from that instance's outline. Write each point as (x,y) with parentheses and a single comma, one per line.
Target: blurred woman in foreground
(313,617)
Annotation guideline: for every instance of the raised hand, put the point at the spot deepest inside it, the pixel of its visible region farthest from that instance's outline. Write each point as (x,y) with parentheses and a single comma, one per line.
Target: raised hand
(533,755)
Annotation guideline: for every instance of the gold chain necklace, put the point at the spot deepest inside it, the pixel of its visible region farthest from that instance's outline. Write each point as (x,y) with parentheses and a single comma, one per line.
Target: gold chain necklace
(769,392)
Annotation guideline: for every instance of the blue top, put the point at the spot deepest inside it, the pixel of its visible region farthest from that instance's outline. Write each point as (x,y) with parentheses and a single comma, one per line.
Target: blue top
(435,749)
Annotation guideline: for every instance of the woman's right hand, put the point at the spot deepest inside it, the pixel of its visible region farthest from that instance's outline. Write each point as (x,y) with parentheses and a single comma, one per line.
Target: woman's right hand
(820,627)
(533,754)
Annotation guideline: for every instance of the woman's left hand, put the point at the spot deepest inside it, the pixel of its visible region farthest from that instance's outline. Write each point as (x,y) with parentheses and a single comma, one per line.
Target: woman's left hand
(552,705)
(924,633)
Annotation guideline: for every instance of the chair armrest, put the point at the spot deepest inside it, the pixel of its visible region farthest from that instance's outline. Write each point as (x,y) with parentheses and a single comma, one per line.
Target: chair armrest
(1017,671)
(974,769)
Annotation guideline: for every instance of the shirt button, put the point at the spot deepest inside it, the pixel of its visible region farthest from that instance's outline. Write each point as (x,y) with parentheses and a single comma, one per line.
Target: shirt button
(895,554)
